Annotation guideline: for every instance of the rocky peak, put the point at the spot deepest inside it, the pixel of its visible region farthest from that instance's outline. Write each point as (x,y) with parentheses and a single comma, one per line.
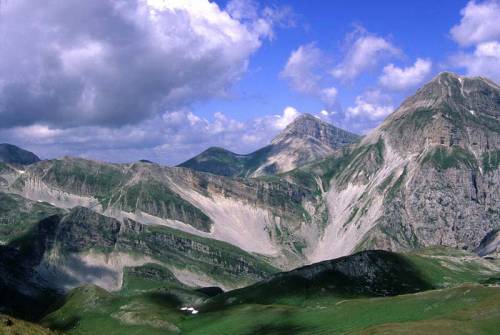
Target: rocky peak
(462,94)
(309,127)
(450,110)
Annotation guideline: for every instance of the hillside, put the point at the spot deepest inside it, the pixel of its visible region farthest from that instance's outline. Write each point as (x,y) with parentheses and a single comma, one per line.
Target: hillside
(14,155)
(370,289)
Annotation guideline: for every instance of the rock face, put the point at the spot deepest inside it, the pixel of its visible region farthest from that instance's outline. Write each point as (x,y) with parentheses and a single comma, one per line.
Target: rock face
(65,251)
(428,175)
(276,218)
(490,245)
(305,140)
(14,155)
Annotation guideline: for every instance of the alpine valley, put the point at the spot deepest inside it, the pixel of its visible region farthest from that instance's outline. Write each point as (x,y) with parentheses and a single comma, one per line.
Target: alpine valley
(320,232)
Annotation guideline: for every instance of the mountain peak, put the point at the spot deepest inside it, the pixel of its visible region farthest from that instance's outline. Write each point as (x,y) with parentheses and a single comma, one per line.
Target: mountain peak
(304,140)
(307,126)
(449,110)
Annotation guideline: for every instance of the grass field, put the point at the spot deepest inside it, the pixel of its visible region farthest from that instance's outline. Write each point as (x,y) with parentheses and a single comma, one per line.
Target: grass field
(452,301)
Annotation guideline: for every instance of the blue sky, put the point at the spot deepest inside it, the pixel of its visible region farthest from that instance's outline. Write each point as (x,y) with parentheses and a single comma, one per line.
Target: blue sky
(419,28)
(166,79)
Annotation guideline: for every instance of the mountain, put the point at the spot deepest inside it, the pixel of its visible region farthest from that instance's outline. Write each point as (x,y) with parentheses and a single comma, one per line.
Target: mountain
(90,247)
(428,175)
(276,218)
(11,154)
(304,140)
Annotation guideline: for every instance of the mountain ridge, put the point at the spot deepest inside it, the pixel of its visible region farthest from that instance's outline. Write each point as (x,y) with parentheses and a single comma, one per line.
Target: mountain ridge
(14,155)
(304,140)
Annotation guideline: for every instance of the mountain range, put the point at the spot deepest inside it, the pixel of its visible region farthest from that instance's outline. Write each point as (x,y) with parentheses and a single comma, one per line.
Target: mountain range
(427,177)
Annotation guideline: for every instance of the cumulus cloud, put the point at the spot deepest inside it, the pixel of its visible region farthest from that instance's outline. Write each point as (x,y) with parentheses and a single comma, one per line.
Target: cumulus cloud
(301,69)
(364,51)
(479,23)
(304,74)
(261,20)
(329,96)
(281,121)
(111,63)
(397,78)
(484,61)
(479,34)
(169,138)
(369,109)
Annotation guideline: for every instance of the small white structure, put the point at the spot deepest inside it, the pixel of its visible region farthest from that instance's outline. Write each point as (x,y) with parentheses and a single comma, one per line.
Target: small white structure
(192,310)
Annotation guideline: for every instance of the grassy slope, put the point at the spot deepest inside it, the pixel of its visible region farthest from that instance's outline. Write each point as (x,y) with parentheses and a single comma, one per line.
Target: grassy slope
(147,304)
(226,163)
(18,215)
(476,307)
(12,326)
(150,304)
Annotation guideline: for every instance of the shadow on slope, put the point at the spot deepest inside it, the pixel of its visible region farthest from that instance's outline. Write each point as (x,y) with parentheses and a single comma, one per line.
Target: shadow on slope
(365,274)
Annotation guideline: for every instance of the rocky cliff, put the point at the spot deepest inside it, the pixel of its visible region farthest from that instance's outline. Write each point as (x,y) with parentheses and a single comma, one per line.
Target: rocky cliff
(427,176)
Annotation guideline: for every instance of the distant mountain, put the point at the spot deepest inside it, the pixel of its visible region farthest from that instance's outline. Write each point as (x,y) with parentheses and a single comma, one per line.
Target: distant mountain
(14,155)
(306,139)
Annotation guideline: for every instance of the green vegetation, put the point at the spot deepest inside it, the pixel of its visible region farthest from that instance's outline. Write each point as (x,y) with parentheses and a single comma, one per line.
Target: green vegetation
(334,297)
(12,326)
(19,215)
(393,191)
(222,261)
(491,160)
(148,303)
(226,163)
(475,307)
(444,158)
(415,120)
(84,177)
(157,199)
(350,164)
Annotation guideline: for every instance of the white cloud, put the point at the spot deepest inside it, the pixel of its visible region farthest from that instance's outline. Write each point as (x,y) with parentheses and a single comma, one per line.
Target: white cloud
(480,29)
(261,20)
(371,106)
(301,67)
(329,96)
(289,114)
(110,63)
(170,138)
(397,78)
(484,61)
(303,73)
(363,53)
(479,23)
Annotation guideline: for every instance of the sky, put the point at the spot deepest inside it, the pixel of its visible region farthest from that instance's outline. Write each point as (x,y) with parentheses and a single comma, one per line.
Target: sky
(123,80)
